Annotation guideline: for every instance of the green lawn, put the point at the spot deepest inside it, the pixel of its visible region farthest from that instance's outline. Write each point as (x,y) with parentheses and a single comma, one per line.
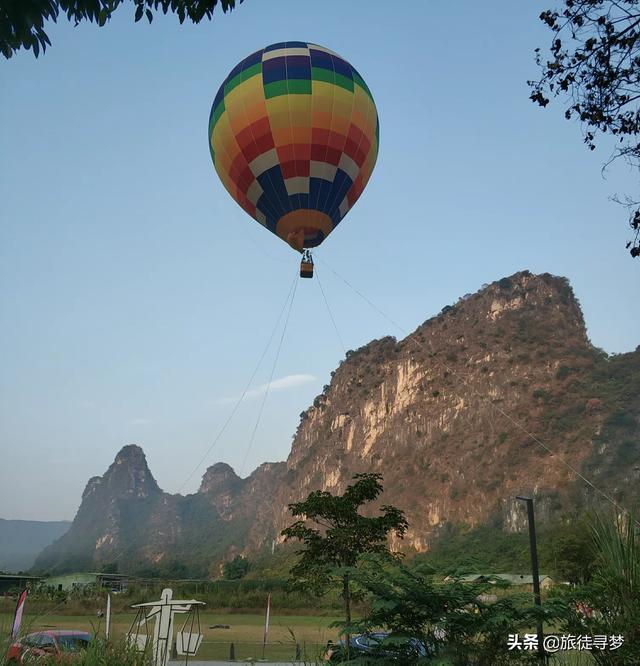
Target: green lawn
(245,632)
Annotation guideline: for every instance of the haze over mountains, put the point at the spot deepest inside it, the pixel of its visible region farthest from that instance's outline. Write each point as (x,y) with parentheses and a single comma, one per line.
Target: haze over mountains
(22,540)
(446,415)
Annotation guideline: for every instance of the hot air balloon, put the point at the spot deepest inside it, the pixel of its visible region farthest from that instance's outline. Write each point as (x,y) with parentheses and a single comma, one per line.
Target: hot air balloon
(293,134)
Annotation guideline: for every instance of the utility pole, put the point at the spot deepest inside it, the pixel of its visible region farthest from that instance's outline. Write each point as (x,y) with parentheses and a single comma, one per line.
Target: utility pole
(534,568)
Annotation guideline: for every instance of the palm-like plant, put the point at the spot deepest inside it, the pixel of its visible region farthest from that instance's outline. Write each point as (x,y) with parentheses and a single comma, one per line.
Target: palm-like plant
(613,592)
(618,570)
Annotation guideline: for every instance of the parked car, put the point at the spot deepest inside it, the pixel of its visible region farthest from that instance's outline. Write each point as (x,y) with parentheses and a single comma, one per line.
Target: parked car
(60,644)
(373,645)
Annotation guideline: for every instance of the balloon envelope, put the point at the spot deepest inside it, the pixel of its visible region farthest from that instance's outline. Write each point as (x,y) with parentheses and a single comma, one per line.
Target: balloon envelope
(293,134)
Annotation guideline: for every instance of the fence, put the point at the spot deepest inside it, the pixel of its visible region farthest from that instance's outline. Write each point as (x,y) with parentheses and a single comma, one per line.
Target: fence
(282,651)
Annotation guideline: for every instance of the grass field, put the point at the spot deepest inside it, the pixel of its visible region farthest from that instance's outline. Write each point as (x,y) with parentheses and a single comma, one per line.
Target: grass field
(245,632)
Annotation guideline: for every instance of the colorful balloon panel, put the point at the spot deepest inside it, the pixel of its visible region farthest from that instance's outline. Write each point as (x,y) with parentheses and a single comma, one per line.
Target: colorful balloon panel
(293,134)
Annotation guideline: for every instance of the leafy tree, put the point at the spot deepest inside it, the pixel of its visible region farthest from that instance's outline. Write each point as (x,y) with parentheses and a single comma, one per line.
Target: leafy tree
(455,619)
(595,63)
(110,568)
(22,21)
(175,569)
(483,549)
(567,551)
(236,569)
(331,553)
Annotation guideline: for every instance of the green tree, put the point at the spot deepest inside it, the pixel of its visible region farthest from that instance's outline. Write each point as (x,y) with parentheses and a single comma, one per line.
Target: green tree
(175,569)
(594,63)
(22,21)
(236,569)
(458,620)
(110,568)
(567,550)
(331,553)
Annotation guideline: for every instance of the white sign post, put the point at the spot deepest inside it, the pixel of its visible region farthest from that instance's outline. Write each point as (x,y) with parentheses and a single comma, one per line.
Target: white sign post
(266,625)
(107,624)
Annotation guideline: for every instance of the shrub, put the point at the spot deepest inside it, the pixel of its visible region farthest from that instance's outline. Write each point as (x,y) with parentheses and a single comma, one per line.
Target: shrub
(563,372)
(236,569)
(412,602)
(541,394)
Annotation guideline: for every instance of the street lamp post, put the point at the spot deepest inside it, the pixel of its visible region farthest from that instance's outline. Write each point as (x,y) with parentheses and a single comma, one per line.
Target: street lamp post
(534,568)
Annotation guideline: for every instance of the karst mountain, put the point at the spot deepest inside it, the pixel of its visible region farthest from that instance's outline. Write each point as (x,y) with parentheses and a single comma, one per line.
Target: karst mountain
(500,394)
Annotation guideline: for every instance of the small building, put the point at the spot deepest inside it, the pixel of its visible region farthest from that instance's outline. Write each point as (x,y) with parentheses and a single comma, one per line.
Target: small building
(512,579)
(524,579)
(79,581)
(69,582)
(113,582)
(11,582)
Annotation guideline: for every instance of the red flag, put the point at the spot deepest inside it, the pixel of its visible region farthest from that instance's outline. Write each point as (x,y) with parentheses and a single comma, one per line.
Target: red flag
(17,618)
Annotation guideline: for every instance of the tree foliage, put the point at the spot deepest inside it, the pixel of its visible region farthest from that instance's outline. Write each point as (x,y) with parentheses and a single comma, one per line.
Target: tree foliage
(609,604)
(110,568)
(595,64)
(458,620)
(568,552)
(565,550)
(236,569)
(331,552)
(22,21)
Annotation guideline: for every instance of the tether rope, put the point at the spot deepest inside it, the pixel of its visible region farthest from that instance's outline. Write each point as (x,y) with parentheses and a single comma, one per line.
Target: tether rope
(268,386)
(326,302)
(292,289)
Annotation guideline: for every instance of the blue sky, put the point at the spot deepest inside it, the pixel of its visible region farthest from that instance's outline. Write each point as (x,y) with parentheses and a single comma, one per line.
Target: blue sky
(136,297)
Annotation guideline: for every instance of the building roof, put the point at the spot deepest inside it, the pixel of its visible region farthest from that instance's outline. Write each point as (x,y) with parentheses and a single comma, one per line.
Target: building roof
(513,579)
(77,574)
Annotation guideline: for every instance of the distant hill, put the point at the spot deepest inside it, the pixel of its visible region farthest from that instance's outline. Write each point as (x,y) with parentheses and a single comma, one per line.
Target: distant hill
(125,518)
(444,415)
(22,540)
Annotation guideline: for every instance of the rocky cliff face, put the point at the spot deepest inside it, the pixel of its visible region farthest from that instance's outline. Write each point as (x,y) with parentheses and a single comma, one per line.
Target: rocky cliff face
(114,506)
(501,394)
(451,414)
